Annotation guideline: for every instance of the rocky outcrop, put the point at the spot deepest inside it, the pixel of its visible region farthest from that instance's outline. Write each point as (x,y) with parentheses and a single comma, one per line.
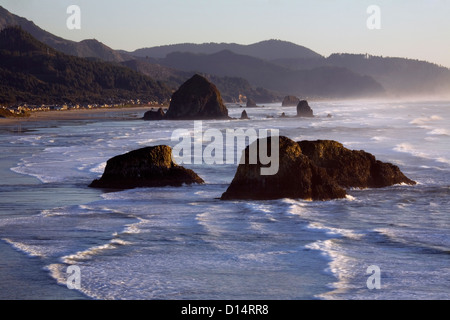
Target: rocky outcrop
(304,110)
(352,169)
(154,115)
(312,170)
(197,99)
(147,167)
(244,115)
(290,101)
(251,103)
(297,178)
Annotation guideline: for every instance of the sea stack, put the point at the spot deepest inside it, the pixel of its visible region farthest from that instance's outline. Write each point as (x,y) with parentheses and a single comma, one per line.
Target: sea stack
(312,170)
(197,99)
(244,115)
(147,167)
(154,115)
(290,101)
(251,103)
(304,110)
(297,177)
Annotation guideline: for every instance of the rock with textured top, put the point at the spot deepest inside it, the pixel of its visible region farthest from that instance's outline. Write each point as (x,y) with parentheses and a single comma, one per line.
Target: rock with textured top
(197,99)
(297,177)
(304,110)
(351,168)
(290,101)
(147,167)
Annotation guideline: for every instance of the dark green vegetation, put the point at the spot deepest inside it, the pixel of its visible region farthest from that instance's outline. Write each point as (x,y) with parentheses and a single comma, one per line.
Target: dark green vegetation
(31,72)
(231,87)
(85,49)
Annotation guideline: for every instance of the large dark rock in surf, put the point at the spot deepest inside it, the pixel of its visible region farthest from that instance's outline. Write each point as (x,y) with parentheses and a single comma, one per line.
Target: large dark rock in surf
(350,168)
(290,101)
(312,170)
(304,110)
(154,115)
(197,99)
(147,167)
(297,177)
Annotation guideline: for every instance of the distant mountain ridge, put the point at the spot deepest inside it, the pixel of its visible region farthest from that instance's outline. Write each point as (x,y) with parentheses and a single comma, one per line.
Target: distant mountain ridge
(266,50)
(327,81)
(84,49)
(399,76)
(31,72)
(282,67)
(232,89)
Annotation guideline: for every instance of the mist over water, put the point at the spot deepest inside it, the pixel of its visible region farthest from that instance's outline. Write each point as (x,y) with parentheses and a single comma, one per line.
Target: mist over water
(184,243)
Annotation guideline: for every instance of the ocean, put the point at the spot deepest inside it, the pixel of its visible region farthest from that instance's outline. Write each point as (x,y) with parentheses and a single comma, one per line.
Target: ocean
(185,244)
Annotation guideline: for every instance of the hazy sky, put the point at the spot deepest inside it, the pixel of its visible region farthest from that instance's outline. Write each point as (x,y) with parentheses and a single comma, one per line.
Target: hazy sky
(418,29)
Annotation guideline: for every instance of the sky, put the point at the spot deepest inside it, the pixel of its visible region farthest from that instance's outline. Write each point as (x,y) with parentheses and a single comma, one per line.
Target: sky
(416,29)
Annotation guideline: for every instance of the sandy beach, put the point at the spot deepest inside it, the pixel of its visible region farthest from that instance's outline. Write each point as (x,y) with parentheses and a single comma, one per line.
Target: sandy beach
(118,113)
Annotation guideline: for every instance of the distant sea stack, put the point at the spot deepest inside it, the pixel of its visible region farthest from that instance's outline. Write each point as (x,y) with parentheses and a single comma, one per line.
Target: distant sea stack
(312,170)
(197,99)
(290,101)
(251,103)
(304,110)
(154,115)
(147,167)
(244,115)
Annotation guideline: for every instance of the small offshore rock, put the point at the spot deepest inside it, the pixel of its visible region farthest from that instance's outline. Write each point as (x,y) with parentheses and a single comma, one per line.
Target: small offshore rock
(154,115)
(244,115)
(290,101)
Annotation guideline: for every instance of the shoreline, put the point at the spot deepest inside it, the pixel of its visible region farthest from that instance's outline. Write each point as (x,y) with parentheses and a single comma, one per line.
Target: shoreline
(79,114)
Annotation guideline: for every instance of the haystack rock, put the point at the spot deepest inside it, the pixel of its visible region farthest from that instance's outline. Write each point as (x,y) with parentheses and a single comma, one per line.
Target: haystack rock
(197,99)
(154,115)
(147,167)
(304,110)
(350,168)
(290,101)
(297,178)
